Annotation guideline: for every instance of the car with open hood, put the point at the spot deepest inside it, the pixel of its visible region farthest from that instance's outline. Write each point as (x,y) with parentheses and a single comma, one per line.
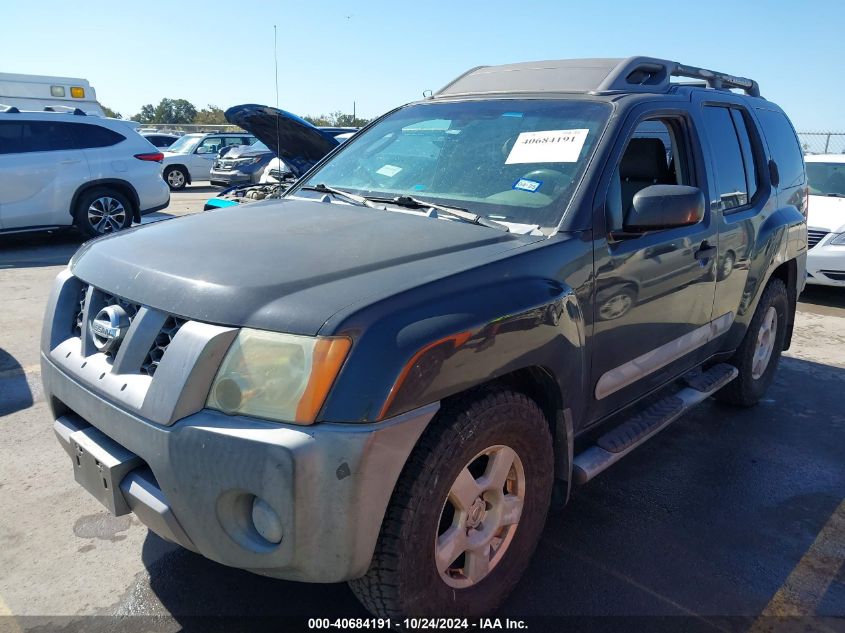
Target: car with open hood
(191,157)
(482,297)
(287,147)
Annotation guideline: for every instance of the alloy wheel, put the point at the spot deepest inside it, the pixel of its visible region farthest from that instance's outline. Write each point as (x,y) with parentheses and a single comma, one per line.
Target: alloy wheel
(106,215)
(480,516)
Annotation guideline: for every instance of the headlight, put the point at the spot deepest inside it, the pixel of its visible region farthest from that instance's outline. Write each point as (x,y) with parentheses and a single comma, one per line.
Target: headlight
(240,162)
(280,377)
(839,240)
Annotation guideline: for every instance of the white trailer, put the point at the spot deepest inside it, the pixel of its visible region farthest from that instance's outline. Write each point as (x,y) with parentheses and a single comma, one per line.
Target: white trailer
(36,92)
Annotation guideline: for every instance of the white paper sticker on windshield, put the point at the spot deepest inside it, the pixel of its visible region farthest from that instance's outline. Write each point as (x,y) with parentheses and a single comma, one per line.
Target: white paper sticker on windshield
(389,170)
(547,146)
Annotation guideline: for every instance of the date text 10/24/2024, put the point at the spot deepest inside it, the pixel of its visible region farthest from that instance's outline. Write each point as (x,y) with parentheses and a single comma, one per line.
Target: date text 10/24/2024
(460,624)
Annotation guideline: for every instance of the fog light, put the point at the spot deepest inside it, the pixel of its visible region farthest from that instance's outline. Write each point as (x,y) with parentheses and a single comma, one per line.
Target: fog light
(267,522)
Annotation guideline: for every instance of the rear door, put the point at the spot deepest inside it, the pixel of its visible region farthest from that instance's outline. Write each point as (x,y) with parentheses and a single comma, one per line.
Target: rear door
(654,290)
(40,168)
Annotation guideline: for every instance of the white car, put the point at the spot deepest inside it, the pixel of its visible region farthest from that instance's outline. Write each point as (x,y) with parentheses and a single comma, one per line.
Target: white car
(192,156)
(826,220)
(59,169)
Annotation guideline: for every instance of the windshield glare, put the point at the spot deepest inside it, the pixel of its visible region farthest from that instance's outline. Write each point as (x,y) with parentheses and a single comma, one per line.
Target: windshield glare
(826,179)
(509,160)
(185,145)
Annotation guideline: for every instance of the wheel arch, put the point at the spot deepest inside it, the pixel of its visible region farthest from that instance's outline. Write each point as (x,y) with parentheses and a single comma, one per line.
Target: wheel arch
(122,186)
(184,169)
(788,273)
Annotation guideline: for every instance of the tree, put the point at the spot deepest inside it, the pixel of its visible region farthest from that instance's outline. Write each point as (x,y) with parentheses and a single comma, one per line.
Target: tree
(336,119)
(168,111)
(212,115)
(111,113)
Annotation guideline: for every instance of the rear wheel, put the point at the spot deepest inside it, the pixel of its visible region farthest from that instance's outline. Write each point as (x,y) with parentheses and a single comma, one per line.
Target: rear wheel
(758,356)
(101,211)
(176,178)
(467,512)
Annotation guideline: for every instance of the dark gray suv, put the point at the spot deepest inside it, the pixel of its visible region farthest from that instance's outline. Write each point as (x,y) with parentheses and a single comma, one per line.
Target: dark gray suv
(481,297)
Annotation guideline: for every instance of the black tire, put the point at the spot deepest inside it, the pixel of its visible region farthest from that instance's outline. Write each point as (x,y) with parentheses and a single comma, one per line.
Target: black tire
(403,579)
(726,266)
(176,178)
(746,389)
(111,207)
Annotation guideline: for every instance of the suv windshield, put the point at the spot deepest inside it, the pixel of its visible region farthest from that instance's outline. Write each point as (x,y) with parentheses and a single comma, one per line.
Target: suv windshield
(185,145)
(826,179)
(515,161)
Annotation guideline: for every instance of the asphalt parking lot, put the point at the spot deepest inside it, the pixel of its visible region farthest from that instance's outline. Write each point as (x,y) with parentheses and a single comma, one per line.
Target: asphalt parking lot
(726,518)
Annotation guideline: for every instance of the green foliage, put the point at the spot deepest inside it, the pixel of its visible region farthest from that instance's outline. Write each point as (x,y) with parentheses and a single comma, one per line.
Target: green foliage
(336,119)
(168,111)
(111,113)
(212,115)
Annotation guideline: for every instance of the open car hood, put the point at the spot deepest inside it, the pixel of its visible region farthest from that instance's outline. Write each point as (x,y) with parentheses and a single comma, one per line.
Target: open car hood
(294,140)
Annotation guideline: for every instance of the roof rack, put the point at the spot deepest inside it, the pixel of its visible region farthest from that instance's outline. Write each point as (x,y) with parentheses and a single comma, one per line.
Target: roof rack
(8,109)
(594,76)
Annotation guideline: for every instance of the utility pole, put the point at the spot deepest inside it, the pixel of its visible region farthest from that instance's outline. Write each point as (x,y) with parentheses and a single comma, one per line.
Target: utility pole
(353,112)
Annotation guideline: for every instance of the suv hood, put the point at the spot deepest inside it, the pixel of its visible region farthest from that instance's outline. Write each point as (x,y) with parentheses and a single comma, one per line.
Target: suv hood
(285,266)
(826,212)
(295,140)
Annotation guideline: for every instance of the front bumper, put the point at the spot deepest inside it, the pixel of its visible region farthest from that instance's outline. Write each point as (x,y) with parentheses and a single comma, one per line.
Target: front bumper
(826,264)
(230,177)
(191,474)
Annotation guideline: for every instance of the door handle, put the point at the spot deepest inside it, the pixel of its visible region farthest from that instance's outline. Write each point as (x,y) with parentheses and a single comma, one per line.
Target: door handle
(69,161)
(705,251)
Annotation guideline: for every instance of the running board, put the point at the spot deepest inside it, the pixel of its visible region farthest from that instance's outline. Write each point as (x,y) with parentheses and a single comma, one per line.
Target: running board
(614,445)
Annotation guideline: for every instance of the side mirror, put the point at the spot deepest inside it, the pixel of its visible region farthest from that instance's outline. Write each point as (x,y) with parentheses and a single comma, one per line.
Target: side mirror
(665,207)
(204,150)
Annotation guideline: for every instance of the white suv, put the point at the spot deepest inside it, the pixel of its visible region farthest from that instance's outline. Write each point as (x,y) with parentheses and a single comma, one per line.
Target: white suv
(192,156)
(826,219)
(58,169)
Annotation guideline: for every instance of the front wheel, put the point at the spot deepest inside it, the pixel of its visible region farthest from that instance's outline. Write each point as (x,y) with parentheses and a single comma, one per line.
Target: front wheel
(758,356)
(467,512)
(101,211)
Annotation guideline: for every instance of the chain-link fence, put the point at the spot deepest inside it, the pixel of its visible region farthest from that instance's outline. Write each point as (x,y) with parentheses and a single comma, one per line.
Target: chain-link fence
(822,142)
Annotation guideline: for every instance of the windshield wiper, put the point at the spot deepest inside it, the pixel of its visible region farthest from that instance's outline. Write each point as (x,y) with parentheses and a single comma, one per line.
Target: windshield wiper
(835,195)
(365,202)
(457,212)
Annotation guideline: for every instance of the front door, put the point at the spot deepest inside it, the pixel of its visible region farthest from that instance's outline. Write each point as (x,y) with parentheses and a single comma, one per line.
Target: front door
(653,306)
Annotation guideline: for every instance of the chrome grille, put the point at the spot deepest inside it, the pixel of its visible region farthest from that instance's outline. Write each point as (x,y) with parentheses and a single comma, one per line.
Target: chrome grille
(79,314)
(159,346)
(814,236)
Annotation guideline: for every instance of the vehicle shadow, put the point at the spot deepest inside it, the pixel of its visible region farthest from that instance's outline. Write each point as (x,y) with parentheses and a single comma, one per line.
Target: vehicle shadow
(15,393)
(825,296)
(193,588)
(701,525)
(35,250)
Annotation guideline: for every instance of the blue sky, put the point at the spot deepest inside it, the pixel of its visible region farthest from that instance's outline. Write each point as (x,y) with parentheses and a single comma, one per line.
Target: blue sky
(382,54)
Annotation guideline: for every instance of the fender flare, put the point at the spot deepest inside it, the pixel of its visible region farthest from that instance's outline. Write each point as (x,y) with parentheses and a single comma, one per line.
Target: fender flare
(126,187)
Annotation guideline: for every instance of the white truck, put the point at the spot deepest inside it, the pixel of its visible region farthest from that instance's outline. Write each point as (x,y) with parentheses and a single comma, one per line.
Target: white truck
(36,92)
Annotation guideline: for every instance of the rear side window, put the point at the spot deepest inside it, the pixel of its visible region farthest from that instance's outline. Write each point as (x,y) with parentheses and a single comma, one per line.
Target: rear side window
(50,136)
(88,136)
(35,136)
(786,151)
(727,157)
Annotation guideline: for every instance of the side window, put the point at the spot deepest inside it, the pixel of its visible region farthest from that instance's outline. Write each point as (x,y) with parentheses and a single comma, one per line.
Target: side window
(749,159)
(13,137)
(727,157)
(655,155)
(786,151)
(90,136)
(210,145)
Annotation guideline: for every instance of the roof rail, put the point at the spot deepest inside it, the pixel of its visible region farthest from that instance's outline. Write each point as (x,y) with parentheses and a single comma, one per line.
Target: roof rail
(595,76)
(7,109)
(648,74)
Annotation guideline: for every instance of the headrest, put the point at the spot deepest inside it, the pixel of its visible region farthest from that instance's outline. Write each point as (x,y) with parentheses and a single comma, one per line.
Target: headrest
(644,159)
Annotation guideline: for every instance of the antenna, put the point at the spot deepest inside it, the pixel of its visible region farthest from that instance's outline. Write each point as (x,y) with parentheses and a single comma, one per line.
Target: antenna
(276,62)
